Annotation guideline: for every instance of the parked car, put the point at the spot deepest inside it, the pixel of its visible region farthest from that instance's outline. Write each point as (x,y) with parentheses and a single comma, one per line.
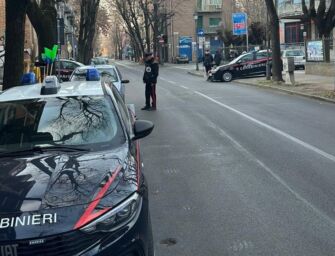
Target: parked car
(71,171)
(67,67)
(182,59)
(249,64)
(99,61)
(299,57)
(110,73)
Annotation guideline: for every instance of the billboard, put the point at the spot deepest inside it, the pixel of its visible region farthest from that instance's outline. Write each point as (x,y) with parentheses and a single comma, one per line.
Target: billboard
(315,50)
(240,25)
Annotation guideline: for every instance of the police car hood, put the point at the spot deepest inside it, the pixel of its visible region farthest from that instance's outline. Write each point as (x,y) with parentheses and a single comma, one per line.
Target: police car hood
(47,194)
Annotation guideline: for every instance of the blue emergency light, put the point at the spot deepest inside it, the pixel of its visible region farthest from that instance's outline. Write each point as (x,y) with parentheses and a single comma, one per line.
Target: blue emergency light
(92,74)
(28,78)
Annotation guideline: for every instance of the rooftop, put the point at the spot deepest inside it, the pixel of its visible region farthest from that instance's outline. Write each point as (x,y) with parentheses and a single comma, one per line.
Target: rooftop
(78,88)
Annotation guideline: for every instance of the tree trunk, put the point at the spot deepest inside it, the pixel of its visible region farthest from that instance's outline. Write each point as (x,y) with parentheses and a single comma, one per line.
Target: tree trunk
(89,10)
(275,42)
(43,17)
(15,30)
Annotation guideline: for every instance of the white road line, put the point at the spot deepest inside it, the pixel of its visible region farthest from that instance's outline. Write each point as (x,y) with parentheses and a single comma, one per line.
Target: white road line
(182,86)
(271,128)
(249,155)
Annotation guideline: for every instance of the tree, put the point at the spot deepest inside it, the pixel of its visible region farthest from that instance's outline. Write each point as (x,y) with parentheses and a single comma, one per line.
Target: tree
(14,55)
(88,17)
(275,41)
(43,17)
(324,19)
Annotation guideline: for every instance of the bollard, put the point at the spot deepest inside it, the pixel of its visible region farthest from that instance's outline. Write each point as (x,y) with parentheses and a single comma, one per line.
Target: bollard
(288,66)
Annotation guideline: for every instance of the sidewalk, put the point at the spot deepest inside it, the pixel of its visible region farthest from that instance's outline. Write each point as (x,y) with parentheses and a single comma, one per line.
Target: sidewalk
(318,87)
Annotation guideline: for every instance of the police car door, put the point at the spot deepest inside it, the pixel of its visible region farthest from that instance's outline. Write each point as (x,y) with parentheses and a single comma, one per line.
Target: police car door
(261,59)
(244,67)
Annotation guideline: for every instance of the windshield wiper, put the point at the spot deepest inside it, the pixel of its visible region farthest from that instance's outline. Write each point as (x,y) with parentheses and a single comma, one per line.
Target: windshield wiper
(42,150)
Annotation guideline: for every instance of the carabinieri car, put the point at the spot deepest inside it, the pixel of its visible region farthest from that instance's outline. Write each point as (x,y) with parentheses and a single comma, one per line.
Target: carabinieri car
(71,180)
(249,64)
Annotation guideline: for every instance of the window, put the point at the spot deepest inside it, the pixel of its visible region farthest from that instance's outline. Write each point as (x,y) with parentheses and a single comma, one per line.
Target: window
(247,58)
(214,22)
(88,121)
(68,65)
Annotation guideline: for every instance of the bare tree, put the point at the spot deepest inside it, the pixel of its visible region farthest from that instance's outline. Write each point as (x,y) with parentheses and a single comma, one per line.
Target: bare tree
(43,17)
(15,27)
(275,41)
(88,19)
(324,19)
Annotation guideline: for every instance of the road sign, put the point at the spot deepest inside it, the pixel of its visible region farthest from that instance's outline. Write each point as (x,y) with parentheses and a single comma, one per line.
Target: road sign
(161,41)
(240,25)
(201,32)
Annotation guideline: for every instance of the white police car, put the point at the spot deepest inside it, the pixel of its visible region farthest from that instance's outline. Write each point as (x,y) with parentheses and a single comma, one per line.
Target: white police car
(108,73)
(71,178)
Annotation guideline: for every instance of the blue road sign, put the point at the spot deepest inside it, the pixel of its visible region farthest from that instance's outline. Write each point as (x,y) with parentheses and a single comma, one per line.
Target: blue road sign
(240,24)
(201,32)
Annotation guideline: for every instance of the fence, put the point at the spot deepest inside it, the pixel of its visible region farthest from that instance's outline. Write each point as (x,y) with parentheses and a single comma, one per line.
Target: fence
(316,48)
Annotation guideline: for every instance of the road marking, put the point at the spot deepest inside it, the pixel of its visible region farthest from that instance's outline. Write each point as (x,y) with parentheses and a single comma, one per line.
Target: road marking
(271,128)
(166,80)
(250,156)
(182,86)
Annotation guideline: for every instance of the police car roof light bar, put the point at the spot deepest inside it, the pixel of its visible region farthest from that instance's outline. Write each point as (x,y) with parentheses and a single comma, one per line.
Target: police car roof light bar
(50,85)
(92,74)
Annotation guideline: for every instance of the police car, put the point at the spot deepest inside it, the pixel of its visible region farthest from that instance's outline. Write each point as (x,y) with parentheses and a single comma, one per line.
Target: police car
(246,65)
(71,180)
(109,73)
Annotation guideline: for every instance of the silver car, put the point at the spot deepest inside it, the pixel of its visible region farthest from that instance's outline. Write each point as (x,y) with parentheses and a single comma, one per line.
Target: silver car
(299,57)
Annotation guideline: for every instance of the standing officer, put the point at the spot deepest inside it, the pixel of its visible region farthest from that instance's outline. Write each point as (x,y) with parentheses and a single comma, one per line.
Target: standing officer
(208,61)
(150,79)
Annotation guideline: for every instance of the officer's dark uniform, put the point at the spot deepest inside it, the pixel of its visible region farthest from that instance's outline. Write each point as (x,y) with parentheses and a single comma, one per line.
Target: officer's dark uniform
(150,79)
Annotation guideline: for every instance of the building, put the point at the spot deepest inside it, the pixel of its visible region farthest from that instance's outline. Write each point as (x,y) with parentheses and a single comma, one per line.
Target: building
(207,16)
(30,41)
(293,29)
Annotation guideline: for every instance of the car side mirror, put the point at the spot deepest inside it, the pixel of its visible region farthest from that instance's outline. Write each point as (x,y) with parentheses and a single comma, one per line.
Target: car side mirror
(125,81)
(142,129)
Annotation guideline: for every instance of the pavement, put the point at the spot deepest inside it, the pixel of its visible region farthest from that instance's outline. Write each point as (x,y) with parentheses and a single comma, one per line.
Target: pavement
(318,87)
(236,170)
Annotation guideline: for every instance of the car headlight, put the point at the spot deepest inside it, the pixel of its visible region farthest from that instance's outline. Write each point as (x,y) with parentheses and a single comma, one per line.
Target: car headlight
(214,70)
(117,217)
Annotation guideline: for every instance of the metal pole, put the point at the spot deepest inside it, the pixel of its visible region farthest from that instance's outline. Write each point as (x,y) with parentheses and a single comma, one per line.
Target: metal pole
(58,41)
(268,75)
(197,47)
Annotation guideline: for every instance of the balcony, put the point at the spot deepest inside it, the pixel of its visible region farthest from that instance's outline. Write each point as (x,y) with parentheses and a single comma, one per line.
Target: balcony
(209,9)
(212,29)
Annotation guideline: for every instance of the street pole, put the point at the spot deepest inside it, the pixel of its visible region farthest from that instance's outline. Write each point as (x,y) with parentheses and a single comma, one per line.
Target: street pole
(196,43)
(268,75)
(58,40)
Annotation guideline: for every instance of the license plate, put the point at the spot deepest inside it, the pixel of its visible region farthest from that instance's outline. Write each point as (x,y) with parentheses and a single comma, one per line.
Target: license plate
(8,250)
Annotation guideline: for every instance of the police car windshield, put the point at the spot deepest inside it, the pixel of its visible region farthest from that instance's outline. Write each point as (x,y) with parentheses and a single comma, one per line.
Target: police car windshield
(85,122)
(109,71)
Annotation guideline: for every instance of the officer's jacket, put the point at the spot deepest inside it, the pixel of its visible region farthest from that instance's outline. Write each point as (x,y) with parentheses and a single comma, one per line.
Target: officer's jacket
(151,72)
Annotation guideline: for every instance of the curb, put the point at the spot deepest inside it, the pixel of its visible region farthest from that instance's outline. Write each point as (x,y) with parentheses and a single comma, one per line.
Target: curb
(290,92)
(194,74)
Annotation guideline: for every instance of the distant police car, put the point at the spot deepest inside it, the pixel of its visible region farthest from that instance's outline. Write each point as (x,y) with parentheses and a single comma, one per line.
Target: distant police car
(109,73)
(249,64)
(71,180)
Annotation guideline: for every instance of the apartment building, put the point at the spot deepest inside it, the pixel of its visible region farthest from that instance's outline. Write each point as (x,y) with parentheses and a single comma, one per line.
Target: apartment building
(292,26)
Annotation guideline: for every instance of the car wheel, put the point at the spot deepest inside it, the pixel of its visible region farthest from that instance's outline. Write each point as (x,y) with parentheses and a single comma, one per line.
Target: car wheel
(227,76)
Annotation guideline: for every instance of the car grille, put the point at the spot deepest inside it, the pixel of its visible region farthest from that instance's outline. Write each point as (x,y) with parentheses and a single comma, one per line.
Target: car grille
(65,244)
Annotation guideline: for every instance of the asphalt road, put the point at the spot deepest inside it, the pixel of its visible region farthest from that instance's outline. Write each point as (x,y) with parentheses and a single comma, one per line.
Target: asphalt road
(237,170)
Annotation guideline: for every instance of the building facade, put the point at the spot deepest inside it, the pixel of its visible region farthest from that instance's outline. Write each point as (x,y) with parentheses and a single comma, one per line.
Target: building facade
(293,29)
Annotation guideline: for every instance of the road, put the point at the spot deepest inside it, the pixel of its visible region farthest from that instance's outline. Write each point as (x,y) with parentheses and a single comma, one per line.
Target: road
(235,169)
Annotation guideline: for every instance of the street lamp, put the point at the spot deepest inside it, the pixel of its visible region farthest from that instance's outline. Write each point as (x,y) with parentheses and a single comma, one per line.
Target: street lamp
(195,16)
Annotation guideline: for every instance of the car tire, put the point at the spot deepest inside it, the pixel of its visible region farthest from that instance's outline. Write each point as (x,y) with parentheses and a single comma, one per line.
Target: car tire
(227,76)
